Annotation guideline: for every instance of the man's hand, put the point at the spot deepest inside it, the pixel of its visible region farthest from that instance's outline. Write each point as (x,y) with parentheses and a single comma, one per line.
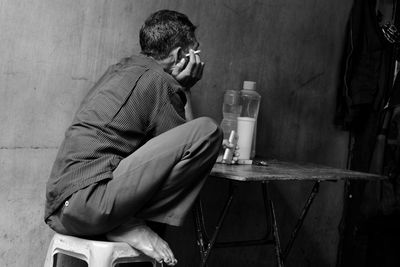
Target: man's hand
(188,74)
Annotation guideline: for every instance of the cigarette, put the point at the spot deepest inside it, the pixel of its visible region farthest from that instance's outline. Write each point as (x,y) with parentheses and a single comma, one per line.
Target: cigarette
(194,52)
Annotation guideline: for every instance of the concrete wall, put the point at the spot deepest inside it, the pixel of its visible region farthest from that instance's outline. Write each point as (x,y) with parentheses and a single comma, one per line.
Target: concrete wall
(52,51)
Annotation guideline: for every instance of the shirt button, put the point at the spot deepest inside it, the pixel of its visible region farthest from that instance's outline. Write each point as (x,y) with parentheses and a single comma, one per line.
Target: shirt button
(66,203)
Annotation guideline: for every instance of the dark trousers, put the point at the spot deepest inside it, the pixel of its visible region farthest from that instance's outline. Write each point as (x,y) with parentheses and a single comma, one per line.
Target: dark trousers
(158,182)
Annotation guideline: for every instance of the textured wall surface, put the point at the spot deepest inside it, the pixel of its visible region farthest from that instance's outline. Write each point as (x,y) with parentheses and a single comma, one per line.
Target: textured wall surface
(52,51)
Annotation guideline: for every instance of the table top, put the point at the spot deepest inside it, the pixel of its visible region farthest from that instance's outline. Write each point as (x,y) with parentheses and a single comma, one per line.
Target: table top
(287,171)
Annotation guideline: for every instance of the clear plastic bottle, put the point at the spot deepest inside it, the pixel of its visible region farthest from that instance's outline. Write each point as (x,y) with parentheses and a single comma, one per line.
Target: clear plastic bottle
(230,112)
(247,121)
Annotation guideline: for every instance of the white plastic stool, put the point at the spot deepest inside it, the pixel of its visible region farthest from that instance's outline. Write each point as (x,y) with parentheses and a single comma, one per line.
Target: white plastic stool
(94,253)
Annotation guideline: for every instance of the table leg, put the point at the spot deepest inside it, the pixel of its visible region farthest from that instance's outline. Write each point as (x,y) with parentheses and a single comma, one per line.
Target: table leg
(275,232)
(207,244)
(300,221)
(201,234)
(203,242)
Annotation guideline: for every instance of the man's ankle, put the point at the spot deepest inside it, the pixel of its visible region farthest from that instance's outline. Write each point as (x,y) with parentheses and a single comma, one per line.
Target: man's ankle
(131,223)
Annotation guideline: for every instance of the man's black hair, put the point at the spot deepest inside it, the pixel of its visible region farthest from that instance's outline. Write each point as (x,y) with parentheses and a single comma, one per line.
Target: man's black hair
(165,30)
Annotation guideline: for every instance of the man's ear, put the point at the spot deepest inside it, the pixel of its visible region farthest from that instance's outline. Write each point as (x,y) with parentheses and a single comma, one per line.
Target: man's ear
(175,54)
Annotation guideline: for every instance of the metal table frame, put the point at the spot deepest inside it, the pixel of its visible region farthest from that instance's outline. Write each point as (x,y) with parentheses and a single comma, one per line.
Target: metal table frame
(207,243)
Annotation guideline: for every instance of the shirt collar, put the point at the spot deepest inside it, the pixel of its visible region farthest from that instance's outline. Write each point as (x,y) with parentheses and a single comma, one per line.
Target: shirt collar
(151,63)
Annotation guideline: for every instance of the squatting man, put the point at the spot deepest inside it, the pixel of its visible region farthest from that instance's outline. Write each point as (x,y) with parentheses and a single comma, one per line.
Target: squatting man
(133,160)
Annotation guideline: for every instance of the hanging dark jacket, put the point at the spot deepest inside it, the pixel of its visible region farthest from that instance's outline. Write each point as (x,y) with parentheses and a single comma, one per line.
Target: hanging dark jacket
(363,60)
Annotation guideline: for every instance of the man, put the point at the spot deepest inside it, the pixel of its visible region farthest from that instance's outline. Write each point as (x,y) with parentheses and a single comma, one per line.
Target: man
(129,158)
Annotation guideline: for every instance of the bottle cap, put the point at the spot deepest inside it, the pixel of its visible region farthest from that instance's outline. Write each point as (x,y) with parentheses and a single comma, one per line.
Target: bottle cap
(249,85)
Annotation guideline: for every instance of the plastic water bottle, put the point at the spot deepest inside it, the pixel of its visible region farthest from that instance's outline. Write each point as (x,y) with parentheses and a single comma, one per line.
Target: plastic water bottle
(247,121)
(230,112)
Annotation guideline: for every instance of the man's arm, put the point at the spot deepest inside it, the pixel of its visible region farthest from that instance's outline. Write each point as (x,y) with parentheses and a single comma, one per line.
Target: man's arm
(188,107)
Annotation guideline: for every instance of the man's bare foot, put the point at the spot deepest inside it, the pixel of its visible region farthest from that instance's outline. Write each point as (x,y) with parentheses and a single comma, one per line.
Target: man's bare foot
(142,238)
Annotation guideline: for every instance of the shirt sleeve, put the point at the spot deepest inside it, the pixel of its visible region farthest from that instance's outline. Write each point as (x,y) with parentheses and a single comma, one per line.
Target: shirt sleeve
(162,103)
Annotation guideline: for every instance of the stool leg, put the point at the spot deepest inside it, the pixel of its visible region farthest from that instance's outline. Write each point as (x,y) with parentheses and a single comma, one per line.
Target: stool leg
(140,259)
(49,261)
(102,259)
